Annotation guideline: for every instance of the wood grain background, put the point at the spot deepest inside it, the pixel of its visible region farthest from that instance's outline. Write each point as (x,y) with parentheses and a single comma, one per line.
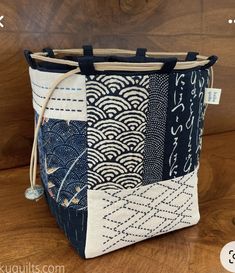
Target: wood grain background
(179,25)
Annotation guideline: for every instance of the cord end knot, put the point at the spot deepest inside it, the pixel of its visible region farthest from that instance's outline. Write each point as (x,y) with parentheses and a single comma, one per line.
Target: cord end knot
(34,193)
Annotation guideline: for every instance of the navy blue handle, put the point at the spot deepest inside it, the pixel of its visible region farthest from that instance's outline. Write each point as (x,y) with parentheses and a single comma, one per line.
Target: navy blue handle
(31,62)
(49,52)
(88,50)
(191,56)
(86,65)
(168,65)
(213,59)
(140,54)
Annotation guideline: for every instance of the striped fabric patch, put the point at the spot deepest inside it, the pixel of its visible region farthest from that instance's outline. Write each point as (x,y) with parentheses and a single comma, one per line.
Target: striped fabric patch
(68,101)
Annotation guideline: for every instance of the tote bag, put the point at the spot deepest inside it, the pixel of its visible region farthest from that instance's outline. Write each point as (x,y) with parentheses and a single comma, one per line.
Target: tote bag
(118,135)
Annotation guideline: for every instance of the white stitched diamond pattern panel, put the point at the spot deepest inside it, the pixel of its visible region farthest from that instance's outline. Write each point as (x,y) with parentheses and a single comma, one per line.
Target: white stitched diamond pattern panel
(117,218)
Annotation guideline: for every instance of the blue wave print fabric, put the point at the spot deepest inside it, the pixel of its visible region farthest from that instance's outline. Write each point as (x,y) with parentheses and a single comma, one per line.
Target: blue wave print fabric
(116,117)
(62,154)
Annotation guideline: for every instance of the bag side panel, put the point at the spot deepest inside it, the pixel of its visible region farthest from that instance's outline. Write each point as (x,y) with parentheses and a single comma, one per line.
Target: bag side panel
(62,145)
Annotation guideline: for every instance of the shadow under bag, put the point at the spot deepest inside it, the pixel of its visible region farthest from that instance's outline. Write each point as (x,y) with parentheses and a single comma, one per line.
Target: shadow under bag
(118,134)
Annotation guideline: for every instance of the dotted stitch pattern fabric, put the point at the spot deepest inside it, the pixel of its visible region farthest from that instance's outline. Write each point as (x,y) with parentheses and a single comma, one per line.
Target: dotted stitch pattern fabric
(155,128)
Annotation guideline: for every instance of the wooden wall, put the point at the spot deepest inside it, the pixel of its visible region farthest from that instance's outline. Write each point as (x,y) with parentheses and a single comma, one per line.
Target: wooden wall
(159,25)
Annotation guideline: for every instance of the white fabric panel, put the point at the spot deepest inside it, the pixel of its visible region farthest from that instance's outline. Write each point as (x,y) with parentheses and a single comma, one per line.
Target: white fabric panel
(68,102)
(117,218)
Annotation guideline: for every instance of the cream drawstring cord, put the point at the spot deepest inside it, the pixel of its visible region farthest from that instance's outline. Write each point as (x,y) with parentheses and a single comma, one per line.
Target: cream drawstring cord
(211,70)
(36,191)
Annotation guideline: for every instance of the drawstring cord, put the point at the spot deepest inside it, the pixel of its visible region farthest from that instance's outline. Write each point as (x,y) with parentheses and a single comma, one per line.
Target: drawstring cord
(211,84)
(36,191)
(211,77)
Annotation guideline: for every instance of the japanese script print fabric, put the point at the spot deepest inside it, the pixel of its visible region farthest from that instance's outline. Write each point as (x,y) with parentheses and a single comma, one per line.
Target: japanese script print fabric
(119,154)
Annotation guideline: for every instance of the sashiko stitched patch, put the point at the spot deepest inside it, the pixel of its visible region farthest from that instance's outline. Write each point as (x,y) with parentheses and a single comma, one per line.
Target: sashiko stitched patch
(119,154)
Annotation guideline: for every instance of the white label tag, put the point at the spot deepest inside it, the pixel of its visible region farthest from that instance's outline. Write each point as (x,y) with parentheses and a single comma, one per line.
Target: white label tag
(212,95)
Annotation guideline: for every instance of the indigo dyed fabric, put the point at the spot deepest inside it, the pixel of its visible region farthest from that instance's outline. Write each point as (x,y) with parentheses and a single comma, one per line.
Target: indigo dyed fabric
(62,152)
(72,221)
(184,122)
(116,118)
(155,128)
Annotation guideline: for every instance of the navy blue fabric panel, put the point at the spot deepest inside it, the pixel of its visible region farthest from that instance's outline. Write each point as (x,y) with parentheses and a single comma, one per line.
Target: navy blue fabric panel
(155,128)
(63,160)
(72,221)
(41,156)
(184,122)
(62,149)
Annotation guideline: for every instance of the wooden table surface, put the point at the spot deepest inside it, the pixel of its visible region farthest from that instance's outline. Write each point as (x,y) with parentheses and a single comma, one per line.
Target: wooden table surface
(29,234)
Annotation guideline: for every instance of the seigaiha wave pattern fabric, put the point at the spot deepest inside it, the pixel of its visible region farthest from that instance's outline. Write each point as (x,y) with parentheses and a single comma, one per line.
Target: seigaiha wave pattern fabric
(119,154)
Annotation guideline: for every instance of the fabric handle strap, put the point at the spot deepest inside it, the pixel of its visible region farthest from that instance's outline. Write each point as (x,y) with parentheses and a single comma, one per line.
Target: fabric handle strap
(169,65)
(86,66)
(87,50)
(49,51)
(140,54)
(191,56)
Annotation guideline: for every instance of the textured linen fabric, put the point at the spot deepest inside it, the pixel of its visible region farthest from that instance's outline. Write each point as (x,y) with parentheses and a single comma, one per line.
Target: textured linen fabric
(118,218)
(68,101)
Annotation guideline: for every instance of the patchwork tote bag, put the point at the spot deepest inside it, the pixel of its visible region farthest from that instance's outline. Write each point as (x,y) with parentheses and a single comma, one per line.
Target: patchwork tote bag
(118,135)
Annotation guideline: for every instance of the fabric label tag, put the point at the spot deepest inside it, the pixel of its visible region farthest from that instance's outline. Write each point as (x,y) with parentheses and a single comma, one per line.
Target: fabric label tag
(212,95)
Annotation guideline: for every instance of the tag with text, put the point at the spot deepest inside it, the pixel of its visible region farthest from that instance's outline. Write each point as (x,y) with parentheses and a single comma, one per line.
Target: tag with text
(212,95)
